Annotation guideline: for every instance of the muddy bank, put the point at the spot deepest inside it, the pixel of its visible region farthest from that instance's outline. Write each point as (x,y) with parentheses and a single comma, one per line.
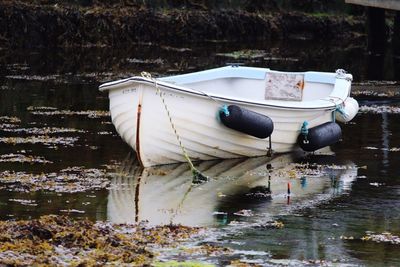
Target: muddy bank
(30,25)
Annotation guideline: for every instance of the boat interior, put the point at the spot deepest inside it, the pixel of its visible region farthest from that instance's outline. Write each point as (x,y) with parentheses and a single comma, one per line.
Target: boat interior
(257,84)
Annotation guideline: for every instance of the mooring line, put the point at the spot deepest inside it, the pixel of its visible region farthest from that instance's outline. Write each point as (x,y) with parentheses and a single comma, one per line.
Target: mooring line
(197,175)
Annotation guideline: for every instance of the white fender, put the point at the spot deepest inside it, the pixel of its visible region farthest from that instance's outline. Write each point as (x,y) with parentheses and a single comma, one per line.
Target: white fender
(350,109)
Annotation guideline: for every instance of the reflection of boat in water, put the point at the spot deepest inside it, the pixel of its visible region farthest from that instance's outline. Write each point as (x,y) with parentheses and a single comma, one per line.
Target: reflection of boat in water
(166,194)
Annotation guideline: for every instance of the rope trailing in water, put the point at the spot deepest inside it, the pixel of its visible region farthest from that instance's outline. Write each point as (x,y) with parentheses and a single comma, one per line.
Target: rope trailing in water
(304,131)
(198,177)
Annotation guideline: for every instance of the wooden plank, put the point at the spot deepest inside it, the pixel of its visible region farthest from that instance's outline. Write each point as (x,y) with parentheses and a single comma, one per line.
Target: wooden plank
(386,4)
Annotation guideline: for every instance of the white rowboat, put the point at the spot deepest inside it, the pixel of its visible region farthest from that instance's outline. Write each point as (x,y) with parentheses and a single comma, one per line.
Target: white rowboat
(145,111)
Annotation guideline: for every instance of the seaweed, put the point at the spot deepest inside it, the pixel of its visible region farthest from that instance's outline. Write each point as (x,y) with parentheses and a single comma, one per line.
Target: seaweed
(70,180)
(51,142)
(93,114)
(21,158)
(59,240)
(384,237)
(379,109)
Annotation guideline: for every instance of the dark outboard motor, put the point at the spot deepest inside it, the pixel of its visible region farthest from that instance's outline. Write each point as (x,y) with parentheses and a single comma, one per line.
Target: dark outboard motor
(246,121)
(320,136)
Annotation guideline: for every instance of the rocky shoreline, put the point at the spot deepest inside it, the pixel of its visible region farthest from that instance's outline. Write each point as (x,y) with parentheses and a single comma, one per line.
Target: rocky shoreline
(26,24)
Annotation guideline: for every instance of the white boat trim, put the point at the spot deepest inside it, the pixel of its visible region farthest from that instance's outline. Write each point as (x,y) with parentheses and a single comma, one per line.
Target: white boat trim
(331,102)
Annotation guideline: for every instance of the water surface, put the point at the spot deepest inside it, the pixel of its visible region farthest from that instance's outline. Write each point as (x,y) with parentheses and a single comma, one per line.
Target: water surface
(60,154)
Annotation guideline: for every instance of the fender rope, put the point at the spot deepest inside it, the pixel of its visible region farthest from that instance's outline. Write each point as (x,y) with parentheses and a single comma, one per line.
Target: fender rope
(224,109)
(339,108)
(304,131)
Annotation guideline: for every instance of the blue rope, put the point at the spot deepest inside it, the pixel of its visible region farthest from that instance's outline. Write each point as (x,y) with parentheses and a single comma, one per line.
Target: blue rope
(304,132)
(224,109)
(303,182)
(304,128)
(334,115)
(339,108)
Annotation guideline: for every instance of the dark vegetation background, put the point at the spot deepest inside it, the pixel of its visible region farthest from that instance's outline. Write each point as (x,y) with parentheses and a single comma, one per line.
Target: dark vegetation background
(56,23)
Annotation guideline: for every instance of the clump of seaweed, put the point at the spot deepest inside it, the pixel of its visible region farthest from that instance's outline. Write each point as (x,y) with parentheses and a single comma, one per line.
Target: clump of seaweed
(242,54)
(373,93)
(6,119)
(9,122)
(40,139)
(274,225)
(105,133)
(175,263)
(34,77)
(47,111)
(44,130)
(21,158)
(298,170)
(379,109)
(25,202)
(256,55)
(384,237)
(59,240)
(42,108)
(4,126)
(70,180)
(157,61)
(392,149)
(209,250)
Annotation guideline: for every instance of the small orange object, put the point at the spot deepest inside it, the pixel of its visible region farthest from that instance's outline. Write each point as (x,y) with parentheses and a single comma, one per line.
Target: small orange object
(288,188)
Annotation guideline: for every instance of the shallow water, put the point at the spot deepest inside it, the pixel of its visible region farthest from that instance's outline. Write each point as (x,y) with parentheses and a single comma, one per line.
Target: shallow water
(59,154)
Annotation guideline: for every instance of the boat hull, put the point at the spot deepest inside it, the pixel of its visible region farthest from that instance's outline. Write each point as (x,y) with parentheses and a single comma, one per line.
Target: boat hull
(161,128)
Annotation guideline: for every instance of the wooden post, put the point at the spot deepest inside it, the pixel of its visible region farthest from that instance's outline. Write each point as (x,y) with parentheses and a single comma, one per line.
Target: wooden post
(376,28)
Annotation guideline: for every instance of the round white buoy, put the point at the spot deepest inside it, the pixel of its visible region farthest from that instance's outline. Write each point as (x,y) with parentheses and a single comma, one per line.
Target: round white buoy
(350,109)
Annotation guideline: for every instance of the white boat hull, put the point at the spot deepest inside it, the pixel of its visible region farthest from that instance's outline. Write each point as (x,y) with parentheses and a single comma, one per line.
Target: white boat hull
(141,119)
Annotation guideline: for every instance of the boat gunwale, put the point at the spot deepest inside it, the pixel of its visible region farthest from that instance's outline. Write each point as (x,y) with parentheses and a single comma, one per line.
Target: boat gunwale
(331,102)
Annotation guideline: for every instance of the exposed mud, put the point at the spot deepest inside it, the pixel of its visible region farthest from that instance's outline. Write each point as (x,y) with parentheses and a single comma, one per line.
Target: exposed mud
(59,24)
